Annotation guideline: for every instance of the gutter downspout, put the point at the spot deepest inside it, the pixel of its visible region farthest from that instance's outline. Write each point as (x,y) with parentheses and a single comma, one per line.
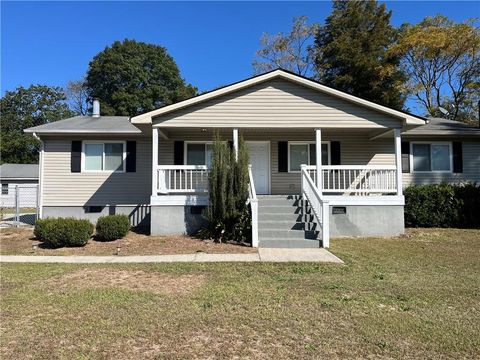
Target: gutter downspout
(40,177)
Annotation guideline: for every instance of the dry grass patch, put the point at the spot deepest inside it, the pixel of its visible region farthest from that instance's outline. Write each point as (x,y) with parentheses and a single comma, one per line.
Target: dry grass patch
(135,280)
(19,241)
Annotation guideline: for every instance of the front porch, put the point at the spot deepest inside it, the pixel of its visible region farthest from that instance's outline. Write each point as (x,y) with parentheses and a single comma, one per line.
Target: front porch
(278,168)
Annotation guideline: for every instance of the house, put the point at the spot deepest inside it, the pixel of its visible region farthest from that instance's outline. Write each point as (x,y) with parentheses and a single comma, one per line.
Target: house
(19,176)
(154,166)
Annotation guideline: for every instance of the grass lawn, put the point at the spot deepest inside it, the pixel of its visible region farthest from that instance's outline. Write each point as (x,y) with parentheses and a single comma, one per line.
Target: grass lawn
(18,241)
(416,296)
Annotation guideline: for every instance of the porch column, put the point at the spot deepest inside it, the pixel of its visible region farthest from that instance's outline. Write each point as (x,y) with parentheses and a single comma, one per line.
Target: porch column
(154,161)
(318,155)
(398,160)
(235,142)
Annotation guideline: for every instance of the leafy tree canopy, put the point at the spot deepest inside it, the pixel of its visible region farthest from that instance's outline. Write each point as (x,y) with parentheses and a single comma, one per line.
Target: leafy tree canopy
(133,77)
(442,61)
(351,52)
(27,107)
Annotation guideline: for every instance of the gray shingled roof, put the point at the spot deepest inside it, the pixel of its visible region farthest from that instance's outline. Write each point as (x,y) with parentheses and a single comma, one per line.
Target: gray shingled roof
(19,171)
(88,125)
(439,126)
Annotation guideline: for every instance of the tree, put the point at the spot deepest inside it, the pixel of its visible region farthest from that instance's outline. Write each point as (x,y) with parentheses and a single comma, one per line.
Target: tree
(77,96)
(351,53)
(27,107)
(442,61)
(227,214)
(133,77)
(292,51)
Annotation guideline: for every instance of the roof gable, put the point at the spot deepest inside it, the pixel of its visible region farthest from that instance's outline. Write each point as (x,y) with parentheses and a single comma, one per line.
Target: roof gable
(279,75)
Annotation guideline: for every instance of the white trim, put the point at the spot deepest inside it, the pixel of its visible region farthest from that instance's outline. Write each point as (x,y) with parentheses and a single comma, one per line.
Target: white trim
(146,118)
(103,142)
(450,153)
(186,200)
(398,159)
(235,143)
(155,143)
(269,162)
(365,200)
(308,143)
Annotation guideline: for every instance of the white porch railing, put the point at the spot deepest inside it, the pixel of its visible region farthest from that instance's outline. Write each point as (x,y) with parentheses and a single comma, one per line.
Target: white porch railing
(253,201)
(320,207)
(357,179)
(182,179)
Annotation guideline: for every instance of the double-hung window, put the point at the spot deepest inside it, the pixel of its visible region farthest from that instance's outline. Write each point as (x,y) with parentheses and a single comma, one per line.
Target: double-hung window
(435,157)
(104,156)
(305,153)
(198,153)
(4,189)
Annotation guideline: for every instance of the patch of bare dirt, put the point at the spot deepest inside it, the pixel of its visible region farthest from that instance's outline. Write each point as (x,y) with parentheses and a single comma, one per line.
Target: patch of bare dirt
(19,241)
(135,280)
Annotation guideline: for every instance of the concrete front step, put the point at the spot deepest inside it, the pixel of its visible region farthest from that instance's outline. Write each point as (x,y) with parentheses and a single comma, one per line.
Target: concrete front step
(288,243)
(283,233)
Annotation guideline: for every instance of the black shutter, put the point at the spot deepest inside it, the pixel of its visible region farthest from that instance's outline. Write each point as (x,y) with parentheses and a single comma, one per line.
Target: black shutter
(76,156)
(405,157)
(178,153)
(457,157)
(335,156)
(131,165)
(282,156)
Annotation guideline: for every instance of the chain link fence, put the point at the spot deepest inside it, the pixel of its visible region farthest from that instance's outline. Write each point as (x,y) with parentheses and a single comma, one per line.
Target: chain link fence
(19,205)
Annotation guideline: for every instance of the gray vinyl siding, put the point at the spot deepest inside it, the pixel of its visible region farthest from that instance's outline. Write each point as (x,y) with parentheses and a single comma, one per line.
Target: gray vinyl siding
(277,104)
(356,149)
(64,188)
(471,167)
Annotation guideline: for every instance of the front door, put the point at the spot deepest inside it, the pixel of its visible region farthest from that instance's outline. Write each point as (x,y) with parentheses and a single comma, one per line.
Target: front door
(259,153)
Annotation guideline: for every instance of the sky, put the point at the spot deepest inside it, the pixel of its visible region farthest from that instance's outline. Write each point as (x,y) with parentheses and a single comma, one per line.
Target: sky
(213,43)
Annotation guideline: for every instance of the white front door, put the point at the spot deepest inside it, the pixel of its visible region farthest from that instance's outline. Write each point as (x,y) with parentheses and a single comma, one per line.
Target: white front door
(259,153)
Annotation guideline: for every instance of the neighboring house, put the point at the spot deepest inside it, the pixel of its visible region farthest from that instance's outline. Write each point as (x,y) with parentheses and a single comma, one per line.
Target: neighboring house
(24,176)
(154,167)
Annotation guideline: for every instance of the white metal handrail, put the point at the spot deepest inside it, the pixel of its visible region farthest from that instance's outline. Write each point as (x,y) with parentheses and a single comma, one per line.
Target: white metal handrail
(357,179)
(182,179)
(253,201)
(320,206)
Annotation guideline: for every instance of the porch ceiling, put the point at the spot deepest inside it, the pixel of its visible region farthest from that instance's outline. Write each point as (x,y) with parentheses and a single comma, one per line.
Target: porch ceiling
(267,133)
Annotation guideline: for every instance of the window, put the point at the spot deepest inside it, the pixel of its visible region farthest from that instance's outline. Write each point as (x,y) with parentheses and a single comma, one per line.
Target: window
(305,153)
(104,156)
(199,154)
(4,189)
(435,157)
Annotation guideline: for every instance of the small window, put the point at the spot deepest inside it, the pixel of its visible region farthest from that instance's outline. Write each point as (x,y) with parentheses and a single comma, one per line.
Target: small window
(93,209)
(4,189)
(199,154)
(434,157)
(108,156)
(305,153)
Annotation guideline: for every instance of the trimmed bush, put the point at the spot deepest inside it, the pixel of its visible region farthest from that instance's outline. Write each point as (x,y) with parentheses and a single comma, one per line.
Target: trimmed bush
(112,227)
(443,206)
(59,232)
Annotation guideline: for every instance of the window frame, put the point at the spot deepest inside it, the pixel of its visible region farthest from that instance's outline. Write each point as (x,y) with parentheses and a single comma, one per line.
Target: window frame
(450,152)
(103,142)
(329,152)
(185,149)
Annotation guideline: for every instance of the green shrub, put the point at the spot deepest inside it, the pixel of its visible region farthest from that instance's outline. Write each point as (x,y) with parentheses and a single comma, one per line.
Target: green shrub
(112,227)
(40,228)
(59,232)
(442,205)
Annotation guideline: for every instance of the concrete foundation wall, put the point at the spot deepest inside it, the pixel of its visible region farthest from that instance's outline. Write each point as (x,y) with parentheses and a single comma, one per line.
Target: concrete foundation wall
(139,215)
(175,219)
(367,220)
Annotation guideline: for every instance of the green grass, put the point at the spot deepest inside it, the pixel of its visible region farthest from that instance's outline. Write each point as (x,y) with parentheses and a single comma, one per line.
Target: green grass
(410,297)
